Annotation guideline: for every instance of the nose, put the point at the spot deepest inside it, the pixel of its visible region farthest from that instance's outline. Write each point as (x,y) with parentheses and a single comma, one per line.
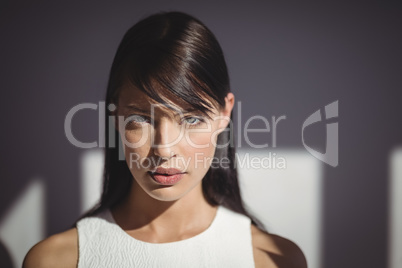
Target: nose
(166,137)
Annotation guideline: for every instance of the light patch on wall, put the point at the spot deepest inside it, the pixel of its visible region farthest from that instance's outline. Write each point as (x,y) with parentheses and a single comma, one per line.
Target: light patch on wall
(91,178)
(24,223)
(395,207)
(287,199)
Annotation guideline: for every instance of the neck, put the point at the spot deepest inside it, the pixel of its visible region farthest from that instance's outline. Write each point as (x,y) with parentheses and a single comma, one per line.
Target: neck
(144,213)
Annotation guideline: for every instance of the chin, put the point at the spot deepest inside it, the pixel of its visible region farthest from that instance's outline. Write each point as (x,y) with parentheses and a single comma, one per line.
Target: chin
(165,194)
(175,192)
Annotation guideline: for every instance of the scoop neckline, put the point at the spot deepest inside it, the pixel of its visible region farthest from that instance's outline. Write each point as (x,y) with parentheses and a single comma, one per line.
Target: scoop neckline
(110,217)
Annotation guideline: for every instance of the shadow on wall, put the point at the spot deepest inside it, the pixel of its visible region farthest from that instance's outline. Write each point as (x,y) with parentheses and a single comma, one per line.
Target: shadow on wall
(5,257)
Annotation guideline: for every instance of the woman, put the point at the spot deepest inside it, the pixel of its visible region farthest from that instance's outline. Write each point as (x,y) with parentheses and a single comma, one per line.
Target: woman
(175,200)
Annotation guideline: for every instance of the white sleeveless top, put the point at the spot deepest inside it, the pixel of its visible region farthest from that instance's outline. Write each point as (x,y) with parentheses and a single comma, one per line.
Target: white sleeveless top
(225,243)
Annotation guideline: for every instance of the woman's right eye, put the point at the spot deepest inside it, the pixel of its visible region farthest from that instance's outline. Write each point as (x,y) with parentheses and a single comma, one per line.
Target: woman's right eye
(138,119)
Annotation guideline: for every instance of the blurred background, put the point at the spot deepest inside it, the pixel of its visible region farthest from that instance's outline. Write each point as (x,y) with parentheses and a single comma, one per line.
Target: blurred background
(285,59)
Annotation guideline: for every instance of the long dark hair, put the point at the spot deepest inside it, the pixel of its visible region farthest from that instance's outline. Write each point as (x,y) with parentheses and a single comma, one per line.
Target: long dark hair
(184,58)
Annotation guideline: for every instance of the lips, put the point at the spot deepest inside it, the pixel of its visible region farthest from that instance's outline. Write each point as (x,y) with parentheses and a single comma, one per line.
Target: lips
(166,176)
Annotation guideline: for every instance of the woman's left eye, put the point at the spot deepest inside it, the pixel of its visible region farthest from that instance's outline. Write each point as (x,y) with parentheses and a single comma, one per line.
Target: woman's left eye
(192,120)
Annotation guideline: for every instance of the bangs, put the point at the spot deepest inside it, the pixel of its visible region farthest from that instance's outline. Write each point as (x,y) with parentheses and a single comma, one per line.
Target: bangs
(166,77)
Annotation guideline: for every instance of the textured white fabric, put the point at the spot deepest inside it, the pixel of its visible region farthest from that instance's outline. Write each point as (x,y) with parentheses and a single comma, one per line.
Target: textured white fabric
(225,243)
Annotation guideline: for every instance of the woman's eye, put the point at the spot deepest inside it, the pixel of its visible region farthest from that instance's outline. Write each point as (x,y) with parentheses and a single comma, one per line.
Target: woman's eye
(192,120)
(137,119)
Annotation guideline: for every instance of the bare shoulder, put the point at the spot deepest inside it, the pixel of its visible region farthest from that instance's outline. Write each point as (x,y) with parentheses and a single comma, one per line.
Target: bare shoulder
(59,250)
(275,251)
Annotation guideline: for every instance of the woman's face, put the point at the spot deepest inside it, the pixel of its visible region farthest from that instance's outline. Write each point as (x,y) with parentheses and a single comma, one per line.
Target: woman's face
(168,150)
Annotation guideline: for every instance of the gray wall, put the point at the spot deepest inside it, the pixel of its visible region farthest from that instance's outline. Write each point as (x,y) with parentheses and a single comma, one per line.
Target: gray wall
(284,59)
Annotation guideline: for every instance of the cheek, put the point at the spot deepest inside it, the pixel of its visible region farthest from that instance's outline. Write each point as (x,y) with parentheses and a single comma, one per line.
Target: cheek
(199,140)
(205,137)
(135,138)
(136,147)
(201,150)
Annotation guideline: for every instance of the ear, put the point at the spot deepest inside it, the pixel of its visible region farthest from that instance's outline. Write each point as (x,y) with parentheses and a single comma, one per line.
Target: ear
(227,110)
